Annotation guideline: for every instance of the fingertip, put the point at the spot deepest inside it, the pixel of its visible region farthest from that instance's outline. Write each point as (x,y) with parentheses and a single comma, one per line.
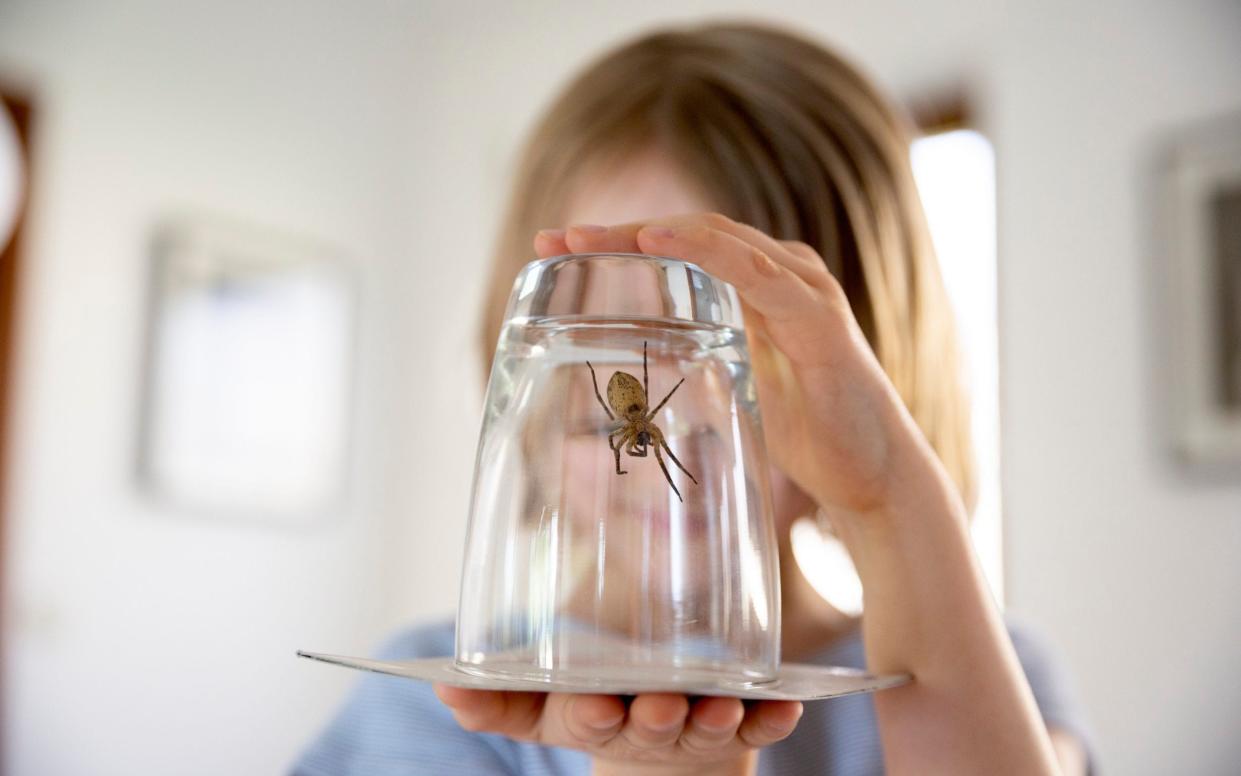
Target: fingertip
(660,711)
(780,717)
(584,238)
(447,694)
(769,721)
(461,697)
(798,709)
(718,713)
(550,242)
(599,712)
(590,720)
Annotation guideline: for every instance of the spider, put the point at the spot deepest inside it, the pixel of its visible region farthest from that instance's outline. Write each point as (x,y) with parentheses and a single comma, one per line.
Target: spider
(628,399)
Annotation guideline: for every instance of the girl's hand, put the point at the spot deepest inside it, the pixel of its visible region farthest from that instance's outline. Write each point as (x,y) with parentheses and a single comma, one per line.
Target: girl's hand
(832,419)
(656,729)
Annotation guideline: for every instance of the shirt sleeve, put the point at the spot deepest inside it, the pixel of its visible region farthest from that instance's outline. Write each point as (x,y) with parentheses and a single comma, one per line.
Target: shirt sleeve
(1053,691)
(393,726)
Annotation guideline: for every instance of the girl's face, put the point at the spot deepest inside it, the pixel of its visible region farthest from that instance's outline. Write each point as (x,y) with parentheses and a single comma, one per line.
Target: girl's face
(649,187)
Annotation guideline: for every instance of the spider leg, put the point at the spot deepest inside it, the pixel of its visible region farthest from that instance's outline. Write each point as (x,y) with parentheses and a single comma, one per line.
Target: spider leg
(612,434)
(625,432)
(659,440)
(659,406)
(667,476)
(646,387)
(595,382)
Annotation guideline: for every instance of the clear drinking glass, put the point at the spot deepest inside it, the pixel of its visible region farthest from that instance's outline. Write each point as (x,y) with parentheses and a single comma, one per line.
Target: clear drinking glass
(577,574)
(661,578)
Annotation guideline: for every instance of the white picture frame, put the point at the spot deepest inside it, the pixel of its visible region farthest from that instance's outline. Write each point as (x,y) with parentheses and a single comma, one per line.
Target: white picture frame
(247,387)
(1203,240)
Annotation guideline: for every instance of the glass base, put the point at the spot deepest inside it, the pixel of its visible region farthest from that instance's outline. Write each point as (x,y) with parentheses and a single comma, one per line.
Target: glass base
(610,676)
(795,681)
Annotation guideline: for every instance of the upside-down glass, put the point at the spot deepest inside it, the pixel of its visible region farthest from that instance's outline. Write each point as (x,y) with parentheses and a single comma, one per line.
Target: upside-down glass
(601,550)
(620,537)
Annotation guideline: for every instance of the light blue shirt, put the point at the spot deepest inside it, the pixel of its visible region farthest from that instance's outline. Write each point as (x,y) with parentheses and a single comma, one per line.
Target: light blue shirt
(391,726)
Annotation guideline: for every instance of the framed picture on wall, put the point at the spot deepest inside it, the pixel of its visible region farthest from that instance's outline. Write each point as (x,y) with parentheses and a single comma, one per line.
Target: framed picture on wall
(1203,186)
(248,381)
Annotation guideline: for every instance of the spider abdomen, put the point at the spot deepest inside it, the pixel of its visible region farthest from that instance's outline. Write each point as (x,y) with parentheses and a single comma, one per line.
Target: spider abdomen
(626,396)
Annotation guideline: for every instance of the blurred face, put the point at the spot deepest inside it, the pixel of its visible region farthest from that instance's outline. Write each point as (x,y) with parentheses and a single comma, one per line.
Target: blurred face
(650,187)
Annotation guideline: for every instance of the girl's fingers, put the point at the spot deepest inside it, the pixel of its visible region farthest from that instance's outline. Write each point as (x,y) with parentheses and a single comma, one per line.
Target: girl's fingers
(655,720)
(767,722)
(706,234)
(813,269)
(784,281)
(591,238)
(797,256)
(620,238)
(474,709)
(514,714)
(712,725)
(771,288)
(550,242)
(623,238)
(591,719)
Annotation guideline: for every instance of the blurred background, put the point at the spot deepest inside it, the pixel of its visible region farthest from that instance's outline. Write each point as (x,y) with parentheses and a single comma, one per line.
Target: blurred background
(243,250)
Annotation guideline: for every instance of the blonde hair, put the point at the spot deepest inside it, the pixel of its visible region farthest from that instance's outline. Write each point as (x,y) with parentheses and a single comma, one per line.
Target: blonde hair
(788,138)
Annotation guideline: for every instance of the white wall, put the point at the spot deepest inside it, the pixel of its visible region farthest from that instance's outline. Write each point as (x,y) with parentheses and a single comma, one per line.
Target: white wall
(1132,566)
(143,641)
(389,129)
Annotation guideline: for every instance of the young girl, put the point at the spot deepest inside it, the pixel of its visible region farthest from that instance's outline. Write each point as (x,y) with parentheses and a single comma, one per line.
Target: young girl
(775,166)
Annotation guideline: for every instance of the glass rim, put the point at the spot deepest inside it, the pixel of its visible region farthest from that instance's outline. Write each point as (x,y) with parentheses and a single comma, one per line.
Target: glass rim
(563,258)
(689,293)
